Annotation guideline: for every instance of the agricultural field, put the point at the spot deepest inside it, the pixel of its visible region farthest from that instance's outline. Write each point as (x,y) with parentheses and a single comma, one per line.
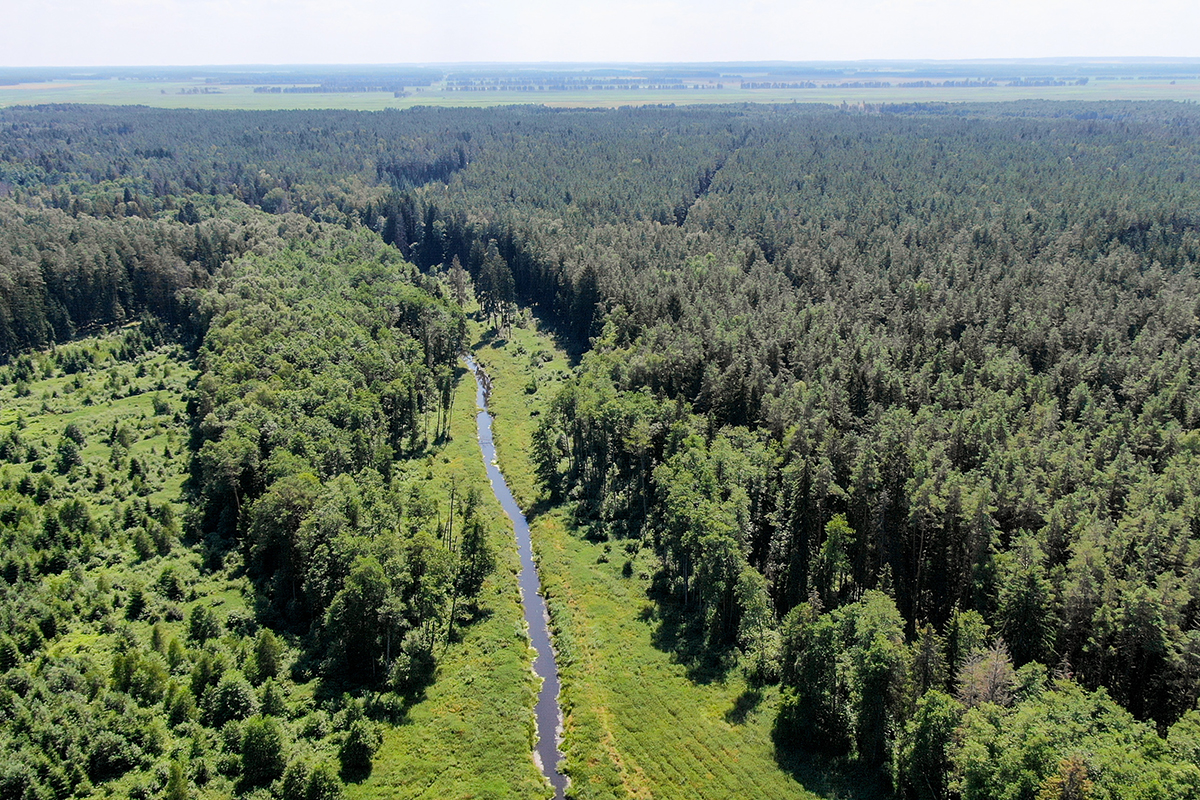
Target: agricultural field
(202,95)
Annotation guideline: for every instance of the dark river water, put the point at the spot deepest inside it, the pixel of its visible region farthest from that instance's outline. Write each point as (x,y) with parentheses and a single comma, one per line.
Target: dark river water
(548,713)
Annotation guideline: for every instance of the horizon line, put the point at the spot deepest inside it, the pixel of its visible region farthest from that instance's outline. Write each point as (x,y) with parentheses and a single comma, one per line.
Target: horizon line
(1049,60)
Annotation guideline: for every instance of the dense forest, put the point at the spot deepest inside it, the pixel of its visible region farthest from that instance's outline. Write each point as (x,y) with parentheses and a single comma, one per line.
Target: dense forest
(320,383)
(904,403)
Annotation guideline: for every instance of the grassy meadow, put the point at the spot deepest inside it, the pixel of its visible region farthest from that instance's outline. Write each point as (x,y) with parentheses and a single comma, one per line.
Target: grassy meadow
(640,719)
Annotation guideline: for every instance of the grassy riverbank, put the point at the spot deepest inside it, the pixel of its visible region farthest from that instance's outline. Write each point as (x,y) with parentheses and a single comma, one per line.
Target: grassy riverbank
(472,735)
(527,369)
(639,721)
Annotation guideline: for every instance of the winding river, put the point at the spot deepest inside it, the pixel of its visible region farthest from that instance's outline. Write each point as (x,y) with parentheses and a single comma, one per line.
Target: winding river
(547,711)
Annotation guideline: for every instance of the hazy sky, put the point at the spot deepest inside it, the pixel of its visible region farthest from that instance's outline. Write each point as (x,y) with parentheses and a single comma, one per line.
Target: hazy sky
(160,32)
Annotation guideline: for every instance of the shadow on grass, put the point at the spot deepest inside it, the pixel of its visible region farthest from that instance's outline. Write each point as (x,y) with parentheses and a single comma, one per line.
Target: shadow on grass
(682,634)
(383,697)
(467,616)
(356,772)
(830,776)
(675,630)
(744,706)
(545,325)
(543,505)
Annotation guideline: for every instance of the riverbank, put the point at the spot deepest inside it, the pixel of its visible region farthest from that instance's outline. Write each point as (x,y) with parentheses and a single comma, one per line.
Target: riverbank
(637,722)
(547,714)
(471,735)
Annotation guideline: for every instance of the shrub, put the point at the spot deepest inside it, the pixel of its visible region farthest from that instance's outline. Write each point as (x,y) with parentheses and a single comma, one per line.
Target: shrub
(262,751)
(324,784)
(358,749)
(232,699)
(203,625)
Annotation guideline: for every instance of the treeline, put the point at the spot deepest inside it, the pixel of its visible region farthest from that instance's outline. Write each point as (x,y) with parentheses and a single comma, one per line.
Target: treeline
(315,159)
(951,717)
(323,371)
(65,273)
(134,184)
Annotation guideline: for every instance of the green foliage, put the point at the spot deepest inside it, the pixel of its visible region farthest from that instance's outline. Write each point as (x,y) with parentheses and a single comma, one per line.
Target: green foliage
(757,634)
(358,749)
(302,465)
(202,624)
(476,557)
(812,710)
(494,287)
(262,750)
(922,752)
(353,619)
(864,373)
(324,783)
(295,778)
(1026,616)
(845,673)
(231,699)
(98,551)
(177,784)
(268,656)
(68,455)
(1064,737)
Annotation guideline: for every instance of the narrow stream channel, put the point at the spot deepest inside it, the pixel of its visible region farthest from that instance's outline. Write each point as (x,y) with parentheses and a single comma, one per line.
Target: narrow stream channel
(547,711)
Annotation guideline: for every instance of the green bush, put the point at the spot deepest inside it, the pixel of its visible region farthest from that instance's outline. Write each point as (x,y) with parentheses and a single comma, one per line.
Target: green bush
(262,751)
(324,784)
(358,749)
(203,625)
(233,699)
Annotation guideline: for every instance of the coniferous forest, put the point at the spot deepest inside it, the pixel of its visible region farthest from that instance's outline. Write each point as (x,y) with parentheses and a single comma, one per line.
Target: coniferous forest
(900,403)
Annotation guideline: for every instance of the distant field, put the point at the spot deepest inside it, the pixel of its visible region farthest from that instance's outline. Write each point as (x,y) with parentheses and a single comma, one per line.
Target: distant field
(176,95)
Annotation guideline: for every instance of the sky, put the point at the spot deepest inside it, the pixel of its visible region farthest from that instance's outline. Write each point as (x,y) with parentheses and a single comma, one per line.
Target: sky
(212,32)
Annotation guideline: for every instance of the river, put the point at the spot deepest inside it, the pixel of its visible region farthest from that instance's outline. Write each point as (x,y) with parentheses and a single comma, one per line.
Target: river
(547,711)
